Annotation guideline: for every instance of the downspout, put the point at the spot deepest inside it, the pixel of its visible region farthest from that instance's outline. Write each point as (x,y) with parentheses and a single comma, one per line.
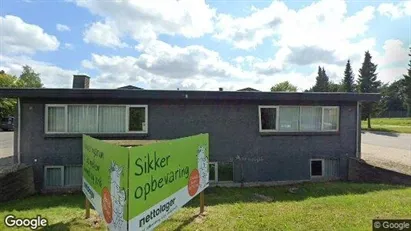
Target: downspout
(18,130)
(358,135)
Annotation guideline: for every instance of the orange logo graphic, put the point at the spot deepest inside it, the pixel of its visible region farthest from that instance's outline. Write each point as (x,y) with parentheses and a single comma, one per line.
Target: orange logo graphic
(107,205)
(193,182)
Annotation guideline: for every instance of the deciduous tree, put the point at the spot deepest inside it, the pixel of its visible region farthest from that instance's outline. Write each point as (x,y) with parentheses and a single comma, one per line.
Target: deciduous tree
(284,86)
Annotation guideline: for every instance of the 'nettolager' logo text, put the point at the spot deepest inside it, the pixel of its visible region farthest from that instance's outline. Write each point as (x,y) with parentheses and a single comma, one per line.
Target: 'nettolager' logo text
(155,212)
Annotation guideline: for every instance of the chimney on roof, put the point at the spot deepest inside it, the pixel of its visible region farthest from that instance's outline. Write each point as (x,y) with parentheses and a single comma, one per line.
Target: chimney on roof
(81,81)
(220,89)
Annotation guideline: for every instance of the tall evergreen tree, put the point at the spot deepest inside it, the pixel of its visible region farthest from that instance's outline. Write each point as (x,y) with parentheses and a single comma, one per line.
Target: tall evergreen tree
(407,86)
(322,81)
(347,84)
(368,83)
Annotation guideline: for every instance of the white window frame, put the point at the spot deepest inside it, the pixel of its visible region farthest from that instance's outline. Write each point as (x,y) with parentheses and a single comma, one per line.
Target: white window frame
(322,116)
(145,125)
(227,181)
(62,169)
(299,117)
(278,108)
(55,167)
(46,121)
(76,185)
(276,118)
(338,118)
(215,171)
(322,168)
(216,180)
(127,108)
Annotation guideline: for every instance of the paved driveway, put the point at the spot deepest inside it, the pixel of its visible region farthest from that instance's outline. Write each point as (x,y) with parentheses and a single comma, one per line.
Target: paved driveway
(388,150)
(6,147)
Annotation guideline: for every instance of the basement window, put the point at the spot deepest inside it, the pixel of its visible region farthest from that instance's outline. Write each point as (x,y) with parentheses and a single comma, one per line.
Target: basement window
(225,171)
(221,171)
(62,176)
(317,167)
(213,174)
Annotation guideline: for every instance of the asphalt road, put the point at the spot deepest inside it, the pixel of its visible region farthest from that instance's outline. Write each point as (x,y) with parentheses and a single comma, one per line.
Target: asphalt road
(6,144)
(386,147)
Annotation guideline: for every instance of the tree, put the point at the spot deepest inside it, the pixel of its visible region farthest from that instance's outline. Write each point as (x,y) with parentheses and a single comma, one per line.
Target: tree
(284,86)
(29,78)
(322,81)
(368,83)
(392,98)
(334,87)
(7,106)
(407,87)
(347,84)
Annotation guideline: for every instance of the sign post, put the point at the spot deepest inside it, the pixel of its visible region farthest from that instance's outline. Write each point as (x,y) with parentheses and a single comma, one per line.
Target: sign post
(201,202)
(138,188)
(87,208)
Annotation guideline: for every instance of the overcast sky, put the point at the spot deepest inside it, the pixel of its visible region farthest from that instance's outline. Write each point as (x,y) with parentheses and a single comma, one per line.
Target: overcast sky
(194,44)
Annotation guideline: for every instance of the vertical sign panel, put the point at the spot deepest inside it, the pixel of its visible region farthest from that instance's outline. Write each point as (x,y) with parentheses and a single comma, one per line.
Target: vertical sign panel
(105,180)
(163,177)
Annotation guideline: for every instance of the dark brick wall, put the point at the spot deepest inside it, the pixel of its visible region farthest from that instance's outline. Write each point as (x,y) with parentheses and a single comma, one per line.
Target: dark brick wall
(17,184)
(234,136)
(359,171)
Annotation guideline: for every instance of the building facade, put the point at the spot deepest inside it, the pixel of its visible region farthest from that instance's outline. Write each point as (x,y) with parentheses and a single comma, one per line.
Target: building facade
(254,136)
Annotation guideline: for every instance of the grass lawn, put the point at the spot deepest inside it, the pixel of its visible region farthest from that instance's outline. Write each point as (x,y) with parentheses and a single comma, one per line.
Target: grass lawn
(399,125)
(313,206)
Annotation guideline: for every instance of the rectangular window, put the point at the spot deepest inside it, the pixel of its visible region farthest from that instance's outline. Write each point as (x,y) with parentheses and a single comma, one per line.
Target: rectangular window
(73,175)
(289,118)
(62,176)
(213,174)
(136,119)
(112,119)
(53,176)
(82,118)
(56,118)
(268,118)
(317,167)
(221,171)
(298,118)
(330,119)
(74,118)
(225,171)
(310,118)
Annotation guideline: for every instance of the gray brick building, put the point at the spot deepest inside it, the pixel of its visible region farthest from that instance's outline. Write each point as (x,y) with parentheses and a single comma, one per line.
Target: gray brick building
(254,136)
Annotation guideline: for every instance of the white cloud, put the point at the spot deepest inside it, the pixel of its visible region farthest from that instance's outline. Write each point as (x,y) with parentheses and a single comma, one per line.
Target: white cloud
(104,34)
(394,52)
(391,74)
(163,59)
(18,36)
(322,32)
(61,27)
(51,75)
(395,11)
(248,32)
(161,65)
(144,20)
(68,46)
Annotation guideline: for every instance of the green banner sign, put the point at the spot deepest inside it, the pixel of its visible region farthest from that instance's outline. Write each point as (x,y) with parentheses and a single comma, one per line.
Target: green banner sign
(105,183)
(144,185)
